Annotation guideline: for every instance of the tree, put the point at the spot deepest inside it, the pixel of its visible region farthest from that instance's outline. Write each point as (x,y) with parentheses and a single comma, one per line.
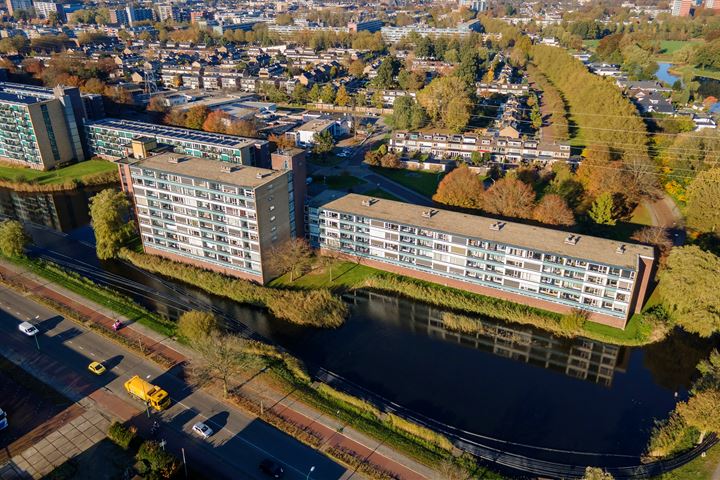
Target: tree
(196,116)
(357,68)
(460,188)
(292,256)
(327,95)
(378,100)
(281,141)
(658,237)
(323,143)
(314,94)
(386,73)
(410,81)
(109,214)
(217,121)
(603,211)
(446,103)
(13,238)
(242,128)
(390,160)
(157,104)
(553,210)
(688,287)
(510,197)
(703,213)
(194,325)
(161,464)
(407,114)
(701,411)
(595,473)
(342,98)
(299,94)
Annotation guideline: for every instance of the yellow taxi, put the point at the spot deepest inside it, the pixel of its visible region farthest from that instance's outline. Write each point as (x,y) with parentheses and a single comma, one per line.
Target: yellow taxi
(97,368)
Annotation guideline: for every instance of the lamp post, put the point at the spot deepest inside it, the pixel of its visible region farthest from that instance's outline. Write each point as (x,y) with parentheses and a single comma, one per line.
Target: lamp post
(312,469)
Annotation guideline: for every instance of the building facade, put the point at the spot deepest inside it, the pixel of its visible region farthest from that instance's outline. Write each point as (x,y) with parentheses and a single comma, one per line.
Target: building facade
(210,214)
(39,126)
(526,264)
(45,9)
(112,139)
(18,5)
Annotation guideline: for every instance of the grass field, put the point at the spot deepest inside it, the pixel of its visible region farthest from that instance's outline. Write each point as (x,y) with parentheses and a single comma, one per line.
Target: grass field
(339,182)
(422,182)
(699,469)
(60,175)
(344,275)
(641,215)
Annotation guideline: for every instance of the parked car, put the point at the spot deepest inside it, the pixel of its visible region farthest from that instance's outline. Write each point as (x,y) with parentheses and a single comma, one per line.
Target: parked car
(28,329)
(97,368)
(271,468)
(3,419)
(202,429)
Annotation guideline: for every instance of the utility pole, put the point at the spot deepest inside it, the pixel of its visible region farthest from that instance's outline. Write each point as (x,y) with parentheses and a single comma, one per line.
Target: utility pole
(184,462)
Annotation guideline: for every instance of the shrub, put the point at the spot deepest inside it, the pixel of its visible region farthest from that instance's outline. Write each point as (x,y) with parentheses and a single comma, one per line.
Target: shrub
(291,364)
(671,436)
(461,323)
(419,432)
(348,400)
(121,435)
(159,462)
(574,321)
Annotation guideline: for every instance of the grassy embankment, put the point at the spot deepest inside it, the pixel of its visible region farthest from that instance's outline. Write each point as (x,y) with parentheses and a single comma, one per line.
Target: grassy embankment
(318,307)
(88,173)
(349,275)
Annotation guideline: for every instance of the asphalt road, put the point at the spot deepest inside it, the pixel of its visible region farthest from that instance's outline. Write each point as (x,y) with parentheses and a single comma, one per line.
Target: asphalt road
(234,451)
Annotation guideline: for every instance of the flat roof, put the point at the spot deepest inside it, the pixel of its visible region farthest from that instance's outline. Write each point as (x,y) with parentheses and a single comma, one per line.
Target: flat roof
(518,234)
(151,129)
(203,168)
(316,125)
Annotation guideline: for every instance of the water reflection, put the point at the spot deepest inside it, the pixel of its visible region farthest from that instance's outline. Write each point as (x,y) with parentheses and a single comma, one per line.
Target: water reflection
(62,211)
(579,358)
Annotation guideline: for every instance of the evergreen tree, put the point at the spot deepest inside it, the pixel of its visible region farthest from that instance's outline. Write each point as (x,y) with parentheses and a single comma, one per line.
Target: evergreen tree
(603,210)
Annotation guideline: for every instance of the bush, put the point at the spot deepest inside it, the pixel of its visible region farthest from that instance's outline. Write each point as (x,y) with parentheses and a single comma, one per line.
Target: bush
(574,321)
(348,400)
(419,432)
(671,436)
(159,463)
(318,308)
(121,435)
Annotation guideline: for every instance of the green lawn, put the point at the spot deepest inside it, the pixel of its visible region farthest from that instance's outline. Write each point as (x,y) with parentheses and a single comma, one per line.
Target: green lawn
(344,275)
(591,44)
(380,193)
(669,47)
(60,175)
(641,215)
(424,183)
(699,469)
(339,182)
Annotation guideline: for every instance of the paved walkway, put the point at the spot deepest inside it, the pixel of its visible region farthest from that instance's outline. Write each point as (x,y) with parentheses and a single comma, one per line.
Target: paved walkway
(58,447)
(334,432)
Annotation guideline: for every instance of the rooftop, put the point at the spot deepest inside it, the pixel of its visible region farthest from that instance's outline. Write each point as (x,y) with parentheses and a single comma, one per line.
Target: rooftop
(317,125)
(203,168)
(142,128)
(521,235)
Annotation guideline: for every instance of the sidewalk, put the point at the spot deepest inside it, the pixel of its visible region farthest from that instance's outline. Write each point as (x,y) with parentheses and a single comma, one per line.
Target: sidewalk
(333,432)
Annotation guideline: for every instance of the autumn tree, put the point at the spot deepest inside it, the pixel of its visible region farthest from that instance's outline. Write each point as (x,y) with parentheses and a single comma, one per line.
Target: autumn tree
(510,197)
(175,117)
(688,287)
(327,94)
(109,214)
(281,141)
(599,172)
(357,68)
(553,210)
(157,104)
(447,103)
(292,256)
(242,128)
(342,98)
(196,116)
(701,411)
(216,121)
(461,188)
(603,210)
(658,237)
(13,238)
(703,201)
(595,473)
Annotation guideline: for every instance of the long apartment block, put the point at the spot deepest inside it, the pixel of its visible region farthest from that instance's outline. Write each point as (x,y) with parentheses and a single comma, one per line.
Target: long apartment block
(210,214)
(502,149)
(40,127)
(112,139)
(538,266)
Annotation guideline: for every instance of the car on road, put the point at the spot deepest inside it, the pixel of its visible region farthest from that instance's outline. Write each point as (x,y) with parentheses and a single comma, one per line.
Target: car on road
(3,419)
(271,468)
(97,368)
(28,329)
(202,429)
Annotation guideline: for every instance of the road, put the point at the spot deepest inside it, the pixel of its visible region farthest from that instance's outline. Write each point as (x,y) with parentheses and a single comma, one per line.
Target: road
(237,447)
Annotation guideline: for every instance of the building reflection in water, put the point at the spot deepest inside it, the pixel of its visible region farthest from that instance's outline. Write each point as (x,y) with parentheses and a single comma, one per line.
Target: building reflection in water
(580,358)
(63,211)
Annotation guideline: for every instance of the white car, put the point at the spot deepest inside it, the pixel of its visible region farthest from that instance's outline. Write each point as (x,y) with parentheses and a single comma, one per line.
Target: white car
(28,329)
(202,429)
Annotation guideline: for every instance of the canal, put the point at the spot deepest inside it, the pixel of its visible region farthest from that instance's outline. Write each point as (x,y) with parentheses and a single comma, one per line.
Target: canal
(510,383)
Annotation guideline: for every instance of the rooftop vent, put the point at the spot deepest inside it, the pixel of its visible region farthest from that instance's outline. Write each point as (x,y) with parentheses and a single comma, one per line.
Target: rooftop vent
(368,202)
(572,239)
(175,159)
(259,175)
(497,226)
(620,249)
(228,168)
(429,213)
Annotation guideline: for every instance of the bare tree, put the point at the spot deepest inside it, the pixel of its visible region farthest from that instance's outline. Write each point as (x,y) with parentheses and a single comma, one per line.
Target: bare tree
(292,256)
(658,237)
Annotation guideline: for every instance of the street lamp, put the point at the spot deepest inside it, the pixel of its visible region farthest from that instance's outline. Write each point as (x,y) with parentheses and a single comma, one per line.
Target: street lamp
(312,469)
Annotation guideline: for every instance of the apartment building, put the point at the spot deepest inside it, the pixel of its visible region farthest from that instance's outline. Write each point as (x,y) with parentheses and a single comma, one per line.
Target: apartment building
(18,5)
(39,126)
(501,149)
(532,265)
(395,34)
(45,9)
(112,139)
(210,214)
